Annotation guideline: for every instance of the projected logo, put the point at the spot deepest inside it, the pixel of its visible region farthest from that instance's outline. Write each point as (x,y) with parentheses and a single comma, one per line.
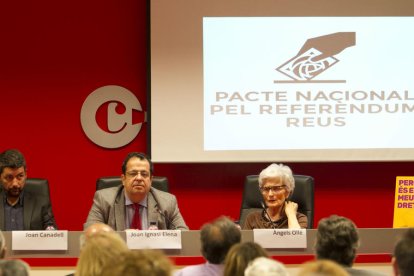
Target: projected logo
(117,105)
(316,56)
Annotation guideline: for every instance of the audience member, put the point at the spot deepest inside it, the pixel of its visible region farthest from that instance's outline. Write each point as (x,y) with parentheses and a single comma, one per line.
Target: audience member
(216,238)
(14,267)
(93,229)
(146,262)
(403,259)
(263,266)
(276,183)
(239,257)
(322,268)
(99,250)
(116,206)
(2,246)
(337,239)
(16,201)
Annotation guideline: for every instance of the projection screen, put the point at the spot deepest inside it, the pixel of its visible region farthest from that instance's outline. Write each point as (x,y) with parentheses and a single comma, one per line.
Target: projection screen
(291,81)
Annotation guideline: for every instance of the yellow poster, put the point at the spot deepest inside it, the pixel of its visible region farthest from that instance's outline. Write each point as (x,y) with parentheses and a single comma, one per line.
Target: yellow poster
(404,202)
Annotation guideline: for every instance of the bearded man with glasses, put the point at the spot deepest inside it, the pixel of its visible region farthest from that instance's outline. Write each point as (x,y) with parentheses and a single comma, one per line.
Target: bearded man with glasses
(135,204)
(276,184)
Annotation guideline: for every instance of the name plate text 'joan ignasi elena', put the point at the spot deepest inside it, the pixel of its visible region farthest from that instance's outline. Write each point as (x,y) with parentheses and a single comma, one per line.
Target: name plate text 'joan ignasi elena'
(155,239)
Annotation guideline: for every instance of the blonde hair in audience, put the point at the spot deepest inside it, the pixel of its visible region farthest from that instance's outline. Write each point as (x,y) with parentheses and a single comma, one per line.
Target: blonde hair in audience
(322,268)
(239,257)
(99,250)
(145,262)
(2,245)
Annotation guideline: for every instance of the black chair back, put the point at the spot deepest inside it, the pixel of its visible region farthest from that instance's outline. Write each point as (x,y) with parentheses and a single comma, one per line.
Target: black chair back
(39,186)
(303,195)
(158,182)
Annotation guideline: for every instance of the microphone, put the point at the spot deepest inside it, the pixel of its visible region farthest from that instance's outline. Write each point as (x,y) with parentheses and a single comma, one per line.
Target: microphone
(48,219)
(168,221)
(267,214)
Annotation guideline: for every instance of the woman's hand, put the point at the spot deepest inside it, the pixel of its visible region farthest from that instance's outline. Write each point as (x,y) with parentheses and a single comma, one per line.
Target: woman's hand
(291,209)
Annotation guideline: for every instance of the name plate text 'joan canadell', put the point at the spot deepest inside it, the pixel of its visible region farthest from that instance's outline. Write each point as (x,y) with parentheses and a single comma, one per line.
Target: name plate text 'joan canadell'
(40,240)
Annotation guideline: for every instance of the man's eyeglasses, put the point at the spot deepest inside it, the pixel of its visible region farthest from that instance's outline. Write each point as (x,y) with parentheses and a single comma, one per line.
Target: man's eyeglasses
(275,189)
(133,174)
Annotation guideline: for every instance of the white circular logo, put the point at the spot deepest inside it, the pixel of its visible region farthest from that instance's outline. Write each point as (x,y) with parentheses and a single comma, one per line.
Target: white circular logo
(121,129)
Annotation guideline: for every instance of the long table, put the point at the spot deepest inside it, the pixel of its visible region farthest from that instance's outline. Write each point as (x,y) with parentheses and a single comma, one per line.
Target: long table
(376,241)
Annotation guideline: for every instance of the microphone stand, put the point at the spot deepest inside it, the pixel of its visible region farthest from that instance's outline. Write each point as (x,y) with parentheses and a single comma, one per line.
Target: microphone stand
(164,214)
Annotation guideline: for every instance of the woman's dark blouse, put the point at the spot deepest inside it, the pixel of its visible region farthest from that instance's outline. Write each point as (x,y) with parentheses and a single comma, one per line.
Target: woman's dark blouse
(259,220)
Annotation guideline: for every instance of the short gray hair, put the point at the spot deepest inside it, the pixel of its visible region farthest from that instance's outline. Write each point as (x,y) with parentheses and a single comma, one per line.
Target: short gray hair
(263,266)
(275,171)
(14,267)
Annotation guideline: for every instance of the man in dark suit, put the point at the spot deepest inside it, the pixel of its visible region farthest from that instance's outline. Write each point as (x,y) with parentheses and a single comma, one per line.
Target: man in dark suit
(337,240)
(20,209)
(135,204)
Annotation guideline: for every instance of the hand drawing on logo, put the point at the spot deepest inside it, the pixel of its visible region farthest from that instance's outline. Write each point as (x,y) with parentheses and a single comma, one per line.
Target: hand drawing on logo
(317,55)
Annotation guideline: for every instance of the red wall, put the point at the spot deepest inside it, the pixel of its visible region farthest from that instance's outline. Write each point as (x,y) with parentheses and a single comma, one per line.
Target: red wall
(54,54)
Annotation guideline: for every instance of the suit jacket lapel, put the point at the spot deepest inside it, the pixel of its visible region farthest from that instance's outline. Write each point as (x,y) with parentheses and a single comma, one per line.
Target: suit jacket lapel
(120,212)
(28,205)
(152,208)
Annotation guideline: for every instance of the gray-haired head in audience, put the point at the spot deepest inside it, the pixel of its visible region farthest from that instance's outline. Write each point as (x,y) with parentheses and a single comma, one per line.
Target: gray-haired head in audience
(263,266)
(14,267)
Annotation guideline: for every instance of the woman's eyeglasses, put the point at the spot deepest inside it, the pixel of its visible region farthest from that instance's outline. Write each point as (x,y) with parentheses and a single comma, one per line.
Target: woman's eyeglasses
(275,189)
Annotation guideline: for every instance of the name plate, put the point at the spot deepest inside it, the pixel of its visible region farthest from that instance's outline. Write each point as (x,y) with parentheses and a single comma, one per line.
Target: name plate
(280,238)
(40,240)
(154,239)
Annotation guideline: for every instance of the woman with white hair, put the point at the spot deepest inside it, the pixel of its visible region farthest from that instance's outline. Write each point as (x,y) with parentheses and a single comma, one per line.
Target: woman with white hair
(276,184)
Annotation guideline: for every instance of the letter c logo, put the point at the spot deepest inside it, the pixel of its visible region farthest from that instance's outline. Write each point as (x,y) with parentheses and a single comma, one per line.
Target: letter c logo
(122,130)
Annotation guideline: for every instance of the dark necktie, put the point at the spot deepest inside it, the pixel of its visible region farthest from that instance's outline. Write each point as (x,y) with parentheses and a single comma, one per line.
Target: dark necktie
(136,220)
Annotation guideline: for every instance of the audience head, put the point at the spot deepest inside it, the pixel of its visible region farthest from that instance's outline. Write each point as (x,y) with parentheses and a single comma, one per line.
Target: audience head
(14,267)
(281,173)
(12,172)
(322,268)
(146,262)
(2,246)
(337,240)
(403,260)
(98,250)
(93,229)
(217,238)
(239,257)
(263,266)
